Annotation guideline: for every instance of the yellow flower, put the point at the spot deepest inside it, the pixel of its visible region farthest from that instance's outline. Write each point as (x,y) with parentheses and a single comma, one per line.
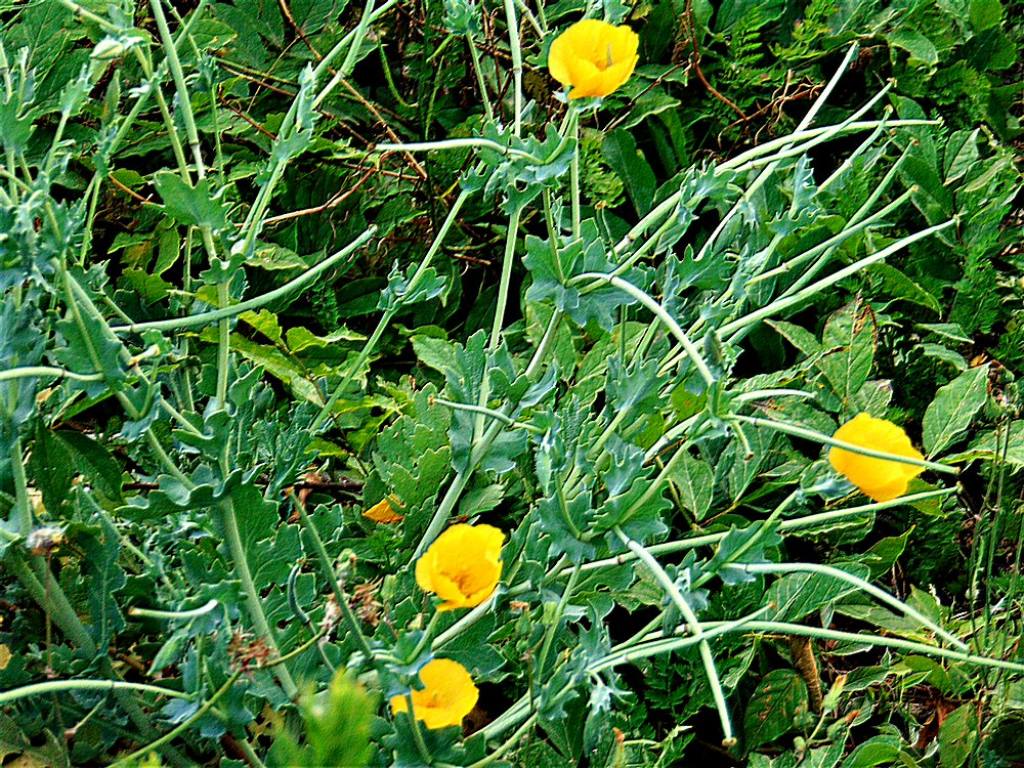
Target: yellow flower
(593,57)
(881,479)
(462,566)
(447,696)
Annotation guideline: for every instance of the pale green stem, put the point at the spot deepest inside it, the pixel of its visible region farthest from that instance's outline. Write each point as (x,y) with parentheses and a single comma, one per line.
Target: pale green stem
(385,319)
(205,318)
(767,172)
(874,640)
(194,613)
(184,726)
(504,418)
(507,744)
(327,568)
(635,652)
(467,143)
(474,56)
(782,304)
(59,686)
(818,437)
(463,623)
(574,176)
(517,66)
(174,64)
(556,620)
(757,155)
(659,311)
(859,583)
(694,626)
(253,601)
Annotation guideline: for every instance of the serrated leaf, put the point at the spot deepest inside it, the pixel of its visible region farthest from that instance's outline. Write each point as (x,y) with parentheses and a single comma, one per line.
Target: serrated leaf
(849,350)
(779,698)
(193,206)
(953,408)
(797,595)
(695,482)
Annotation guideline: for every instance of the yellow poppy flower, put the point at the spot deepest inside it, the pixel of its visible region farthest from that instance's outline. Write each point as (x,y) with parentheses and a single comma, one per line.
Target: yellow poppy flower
(447,696)
(462,566)
(880,479)
(593,57)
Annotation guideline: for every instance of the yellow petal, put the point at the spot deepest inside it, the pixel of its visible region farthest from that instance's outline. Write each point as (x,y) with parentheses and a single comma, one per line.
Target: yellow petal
(593,57)
(447,696)
(462,566)
(383,512)
(879,479)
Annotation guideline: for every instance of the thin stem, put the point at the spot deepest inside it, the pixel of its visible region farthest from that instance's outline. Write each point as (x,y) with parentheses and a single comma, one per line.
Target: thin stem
(254,602)
(574,175)
(506,745)
(474,57)
(517,66)
(786,302)
(174,64)
(59,686)
(205,318)
(504,418)
(417,734)
(818,437)
(327,568)
(194,613)
(859,583)
(659,311)
(785,628)
(694,626)
(196,716)
(556,620)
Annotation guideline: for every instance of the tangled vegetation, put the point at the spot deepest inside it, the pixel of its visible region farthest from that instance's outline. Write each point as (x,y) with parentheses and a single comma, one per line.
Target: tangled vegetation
(478,384)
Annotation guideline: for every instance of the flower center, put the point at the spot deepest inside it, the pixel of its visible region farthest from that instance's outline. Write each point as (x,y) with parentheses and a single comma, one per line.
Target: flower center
(468,580)
(608,59)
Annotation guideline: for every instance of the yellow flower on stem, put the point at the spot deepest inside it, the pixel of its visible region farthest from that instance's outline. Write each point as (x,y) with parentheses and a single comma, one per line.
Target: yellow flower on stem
(880,479)
(462,566)
(447,696)
(593,57)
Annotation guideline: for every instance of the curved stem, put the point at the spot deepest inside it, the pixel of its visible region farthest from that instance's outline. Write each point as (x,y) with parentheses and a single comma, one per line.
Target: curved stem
(694,626)
(205,318)
(659,311)
(172,734)
(253,601)
(818,437)
(859,583)
(57,686)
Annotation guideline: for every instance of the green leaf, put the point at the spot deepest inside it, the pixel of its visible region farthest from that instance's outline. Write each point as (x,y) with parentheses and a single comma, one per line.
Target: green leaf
(797,595)
(695,482)
(849,342)
(953,408)
(779,698)
(899,286)
(985,14)
(619,149)
(650,103)
(958,736)
(922,51)
(105,578)
(194,206)
(879,750)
